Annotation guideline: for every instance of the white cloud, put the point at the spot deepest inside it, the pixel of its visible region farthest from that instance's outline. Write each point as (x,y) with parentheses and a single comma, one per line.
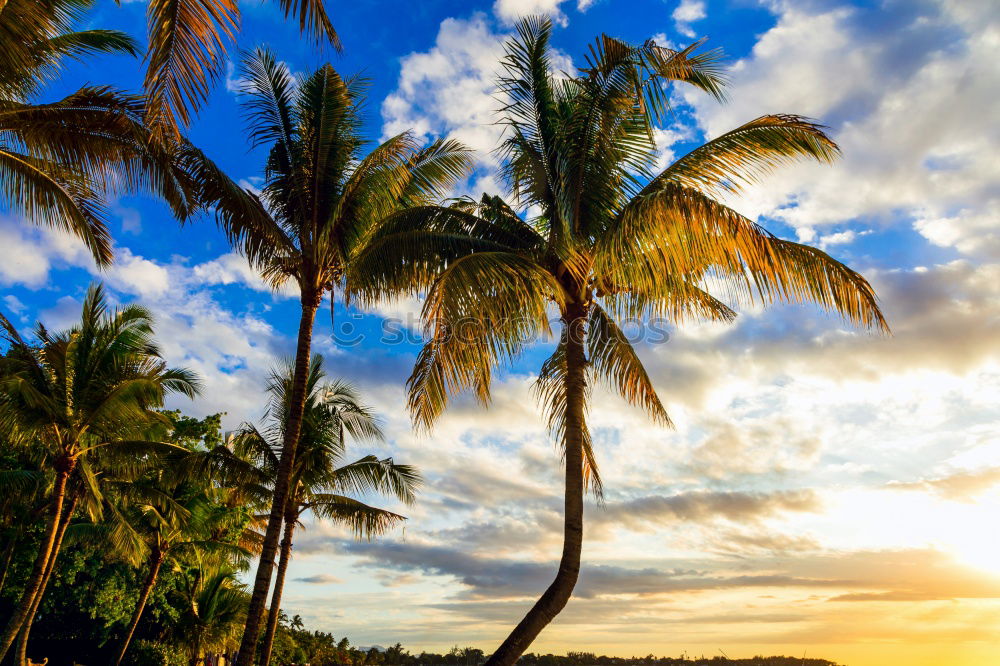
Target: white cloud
(686,13)
(837,238)
(509,11)
(234,84)
(137,275)
(450,90)
(665,139)
(913,154)
(20,262)
(29,252)
(662,40)
(973,231)
(233,268)
(14,304)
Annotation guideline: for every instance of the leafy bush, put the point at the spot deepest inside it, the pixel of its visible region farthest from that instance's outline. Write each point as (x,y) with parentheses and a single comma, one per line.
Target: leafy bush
(148,653)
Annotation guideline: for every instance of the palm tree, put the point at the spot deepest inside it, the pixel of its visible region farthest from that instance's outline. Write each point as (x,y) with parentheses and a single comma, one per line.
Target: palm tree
(320,200)
(162,519)
(60,160)
(318,484)
(76,393)
(610,240)
(214,605)
(86,490)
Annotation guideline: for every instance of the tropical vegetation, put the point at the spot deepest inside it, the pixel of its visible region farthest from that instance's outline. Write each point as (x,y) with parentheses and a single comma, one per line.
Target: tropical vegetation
(127,529)
(149,503)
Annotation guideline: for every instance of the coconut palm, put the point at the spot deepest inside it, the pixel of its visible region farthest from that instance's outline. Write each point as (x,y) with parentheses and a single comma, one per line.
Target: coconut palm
(159,520)
(86,492)
(320,200)
(214,605)
(76,394)
(610,240)
(60,160)
(318,484)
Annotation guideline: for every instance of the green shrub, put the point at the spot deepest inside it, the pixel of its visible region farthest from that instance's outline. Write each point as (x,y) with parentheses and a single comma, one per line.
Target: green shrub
(148,653)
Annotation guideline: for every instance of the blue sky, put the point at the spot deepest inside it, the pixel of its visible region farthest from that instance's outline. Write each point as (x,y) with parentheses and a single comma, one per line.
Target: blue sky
(824,491)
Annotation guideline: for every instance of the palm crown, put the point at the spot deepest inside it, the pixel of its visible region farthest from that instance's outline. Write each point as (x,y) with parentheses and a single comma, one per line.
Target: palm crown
(320,483)
(609,238)
(94,384)
(322,196)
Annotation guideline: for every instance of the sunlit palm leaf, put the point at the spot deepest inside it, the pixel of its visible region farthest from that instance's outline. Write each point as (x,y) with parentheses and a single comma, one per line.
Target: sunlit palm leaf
(365,521)
(740,157)
(613,360)
(187,46)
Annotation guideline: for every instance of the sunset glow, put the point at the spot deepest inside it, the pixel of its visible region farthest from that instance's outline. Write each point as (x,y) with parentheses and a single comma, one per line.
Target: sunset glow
(825,490)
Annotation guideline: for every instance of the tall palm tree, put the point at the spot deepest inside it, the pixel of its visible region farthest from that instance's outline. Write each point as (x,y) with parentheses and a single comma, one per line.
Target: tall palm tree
(60,160)
(610,240)
(75,394)
(319,483)
(320,200)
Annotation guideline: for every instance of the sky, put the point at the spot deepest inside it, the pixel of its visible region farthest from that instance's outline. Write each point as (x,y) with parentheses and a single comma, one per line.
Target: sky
(825,492)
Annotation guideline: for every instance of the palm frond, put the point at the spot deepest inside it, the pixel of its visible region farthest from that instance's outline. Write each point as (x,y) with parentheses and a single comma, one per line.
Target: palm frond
(613,360)
(186,56)
(680,231)
(550,391)
(313,20)
(55,195)
(741,156)
(370,474)
(364,520)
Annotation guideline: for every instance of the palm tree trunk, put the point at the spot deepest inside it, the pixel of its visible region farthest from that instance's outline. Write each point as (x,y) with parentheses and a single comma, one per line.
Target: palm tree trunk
(296,406)
(34,582)
(559,592)
(279,584)
(7,559)
(155,562)
(21,654)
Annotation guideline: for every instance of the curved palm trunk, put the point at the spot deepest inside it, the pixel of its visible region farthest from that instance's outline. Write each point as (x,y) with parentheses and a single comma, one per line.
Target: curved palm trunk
(262,582)
(559,592)
(155,562)
(31,588)
(21,654)
(279,584)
